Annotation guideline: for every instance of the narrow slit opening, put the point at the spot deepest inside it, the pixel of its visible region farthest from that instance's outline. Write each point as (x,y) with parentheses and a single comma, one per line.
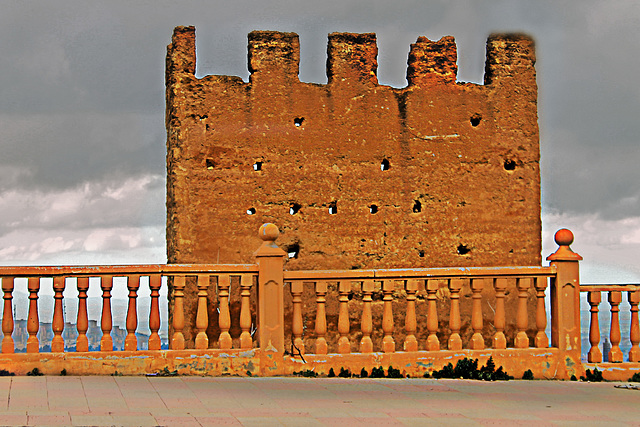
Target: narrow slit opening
(294,208)
(463,249)
(333,208)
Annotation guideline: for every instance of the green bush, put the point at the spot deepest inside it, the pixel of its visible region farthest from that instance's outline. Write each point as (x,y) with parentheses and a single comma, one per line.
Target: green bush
(635,378)
(344,373)
(35,372)
(593,377)
(528,375)
(377,372)
(394,373)
(306,373)
(468,369)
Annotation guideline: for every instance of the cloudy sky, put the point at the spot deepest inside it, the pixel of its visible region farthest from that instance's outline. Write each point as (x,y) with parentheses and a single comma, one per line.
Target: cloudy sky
(82,138)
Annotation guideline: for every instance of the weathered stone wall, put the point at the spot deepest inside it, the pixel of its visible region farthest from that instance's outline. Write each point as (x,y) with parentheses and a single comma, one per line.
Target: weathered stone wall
(355,174)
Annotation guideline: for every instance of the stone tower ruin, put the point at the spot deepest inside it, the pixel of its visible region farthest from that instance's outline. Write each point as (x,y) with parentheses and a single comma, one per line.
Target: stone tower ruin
(355,174)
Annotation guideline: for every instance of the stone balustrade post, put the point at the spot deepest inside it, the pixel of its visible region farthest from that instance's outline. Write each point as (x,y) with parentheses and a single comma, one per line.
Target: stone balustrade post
(565,295)
(270,260)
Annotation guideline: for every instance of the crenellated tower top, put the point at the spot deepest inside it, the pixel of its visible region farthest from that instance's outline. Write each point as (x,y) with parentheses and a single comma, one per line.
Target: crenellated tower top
(353,57)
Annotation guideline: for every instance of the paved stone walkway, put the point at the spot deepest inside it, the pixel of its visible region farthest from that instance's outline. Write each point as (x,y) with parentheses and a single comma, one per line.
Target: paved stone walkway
(197,401)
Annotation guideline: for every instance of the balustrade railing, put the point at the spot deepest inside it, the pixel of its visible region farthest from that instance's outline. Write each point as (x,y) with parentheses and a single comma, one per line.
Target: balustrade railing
(175,274)
(423,283)
(614,295)
(398,312)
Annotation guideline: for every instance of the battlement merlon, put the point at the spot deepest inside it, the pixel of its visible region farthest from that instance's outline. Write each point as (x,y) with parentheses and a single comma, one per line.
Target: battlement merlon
(181,53)
(273,55)
(510,57)
(432,62)
(353,57)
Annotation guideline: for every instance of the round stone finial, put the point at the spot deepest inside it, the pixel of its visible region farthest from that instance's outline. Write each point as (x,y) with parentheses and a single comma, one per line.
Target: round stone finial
(269,232)
(563,237)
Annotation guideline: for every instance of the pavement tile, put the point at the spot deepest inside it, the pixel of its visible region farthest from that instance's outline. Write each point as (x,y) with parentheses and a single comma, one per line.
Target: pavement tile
(495,422)
(218,421)
(299,421)
(134,420)
(92,420)
(259,422)
(46,420)
(13,418)
(379,421)
(177,420)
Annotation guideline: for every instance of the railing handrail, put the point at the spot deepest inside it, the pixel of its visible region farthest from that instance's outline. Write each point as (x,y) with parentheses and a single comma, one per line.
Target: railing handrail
(422,273)
(123,270)
(598,287)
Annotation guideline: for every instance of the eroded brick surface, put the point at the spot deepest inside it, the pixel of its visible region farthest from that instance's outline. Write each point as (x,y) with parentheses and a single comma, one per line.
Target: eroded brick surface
(355,174)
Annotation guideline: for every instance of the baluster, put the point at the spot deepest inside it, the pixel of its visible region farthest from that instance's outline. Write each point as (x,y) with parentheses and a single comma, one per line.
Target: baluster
(155,282)
(366,324)
(246,281)
(410,324)
(224,319)
(57,324)
(177,340)
(131,342)
(388,344)
(82,342)
(522,316)
(202,317)
(106,320)
(297,327)
(433,344)
(7,315)
(477,341)
(321,317)
(344,346)
(595,355)
(455,342)
(615,354)
(499,340)
(33,323)
(542,340)
(634,328)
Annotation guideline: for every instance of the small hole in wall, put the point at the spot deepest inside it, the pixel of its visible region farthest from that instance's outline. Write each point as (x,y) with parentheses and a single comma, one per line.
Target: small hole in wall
(293,250)
(295,207)
(463,250)
(421,254)
(257,166)
(333,208)
(384,166)
(210,164)
(417,206)
(373,209)
(475,120)
(298,121)
(509,165)
(251,211)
